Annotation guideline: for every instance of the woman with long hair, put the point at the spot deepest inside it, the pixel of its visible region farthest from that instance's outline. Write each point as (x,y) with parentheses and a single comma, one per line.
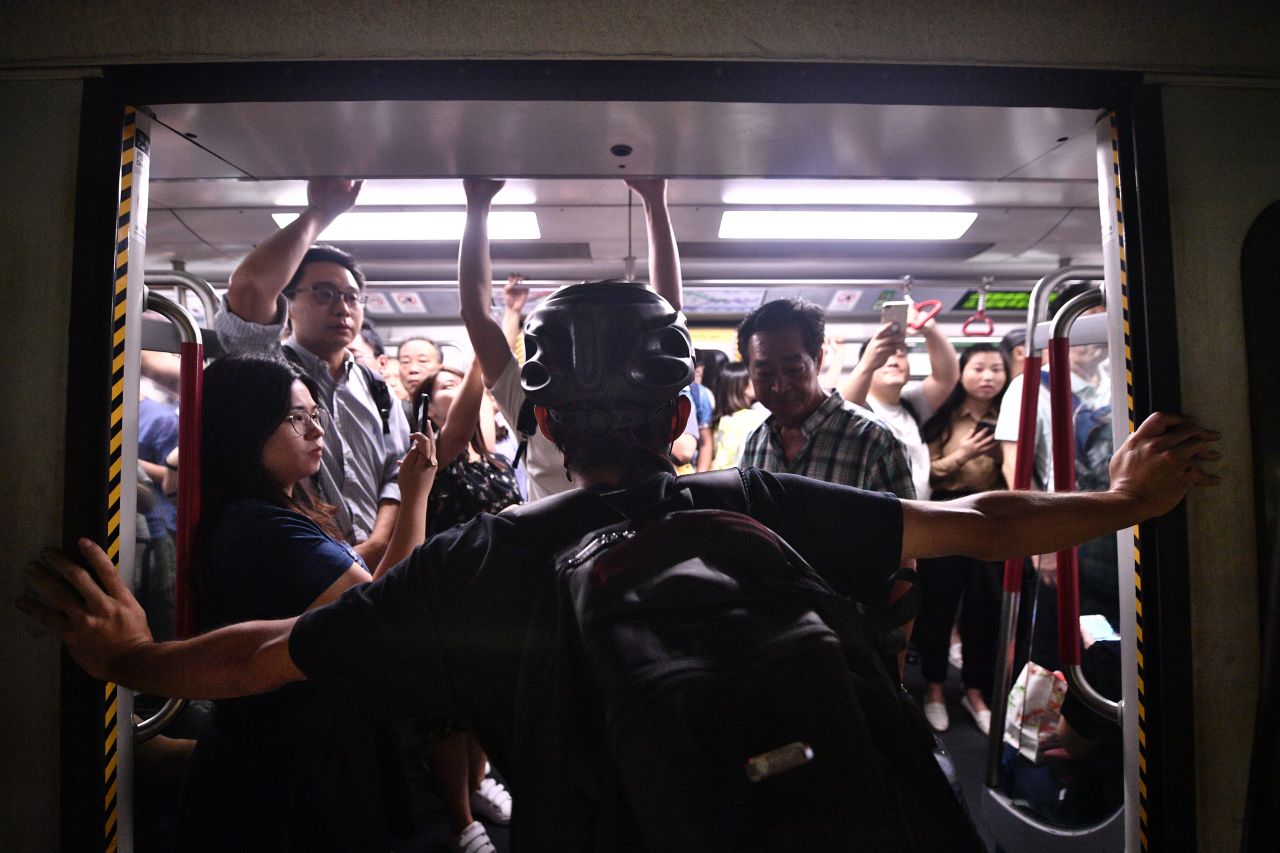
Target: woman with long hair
(472,480)
(965,459)
(736,414)
(287,770)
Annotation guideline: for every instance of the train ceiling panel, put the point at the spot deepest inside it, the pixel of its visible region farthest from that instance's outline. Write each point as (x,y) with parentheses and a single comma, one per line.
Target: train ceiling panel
(567,139)
(219,172)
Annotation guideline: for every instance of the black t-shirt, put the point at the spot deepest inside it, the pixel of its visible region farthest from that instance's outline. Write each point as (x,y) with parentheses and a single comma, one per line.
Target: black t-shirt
(443,633)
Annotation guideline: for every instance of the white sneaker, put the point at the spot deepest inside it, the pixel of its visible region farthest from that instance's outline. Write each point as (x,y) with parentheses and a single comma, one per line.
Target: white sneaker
(936,714)
(474,839)
(955,656)
(492,802)
(982,719)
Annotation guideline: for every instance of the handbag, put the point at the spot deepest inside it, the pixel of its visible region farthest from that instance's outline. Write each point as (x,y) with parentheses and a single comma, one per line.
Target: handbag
(1035,706)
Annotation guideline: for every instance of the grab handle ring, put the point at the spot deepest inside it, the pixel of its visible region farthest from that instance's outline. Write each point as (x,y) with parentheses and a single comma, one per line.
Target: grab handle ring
(980,325)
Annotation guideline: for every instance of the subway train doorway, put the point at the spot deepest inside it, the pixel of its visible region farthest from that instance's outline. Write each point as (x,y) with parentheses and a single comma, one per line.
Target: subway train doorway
(1041,164)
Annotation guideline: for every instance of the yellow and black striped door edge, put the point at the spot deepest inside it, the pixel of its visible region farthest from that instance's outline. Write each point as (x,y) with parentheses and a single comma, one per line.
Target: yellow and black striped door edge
(1137,543)
(115,438)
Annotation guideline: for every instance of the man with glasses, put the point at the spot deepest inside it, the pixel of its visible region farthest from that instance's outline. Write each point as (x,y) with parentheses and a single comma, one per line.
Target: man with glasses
(321,291)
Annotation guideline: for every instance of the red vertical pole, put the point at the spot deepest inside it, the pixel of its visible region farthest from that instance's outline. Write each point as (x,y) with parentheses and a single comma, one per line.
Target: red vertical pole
(1025,460)
(191,383)
(1064,480)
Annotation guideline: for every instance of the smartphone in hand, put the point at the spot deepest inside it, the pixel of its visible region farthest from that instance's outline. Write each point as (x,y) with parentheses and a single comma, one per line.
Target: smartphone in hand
(895,312)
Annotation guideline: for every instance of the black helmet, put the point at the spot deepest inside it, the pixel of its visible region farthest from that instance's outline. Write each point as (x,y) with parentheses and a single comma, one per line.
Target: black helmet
(605,347)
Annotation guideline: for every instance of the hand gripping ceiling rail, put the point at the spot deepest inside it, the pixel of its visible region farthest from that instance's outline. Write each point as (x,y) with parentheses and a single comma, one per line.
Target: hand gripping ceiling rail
(1013,827)
(190,384)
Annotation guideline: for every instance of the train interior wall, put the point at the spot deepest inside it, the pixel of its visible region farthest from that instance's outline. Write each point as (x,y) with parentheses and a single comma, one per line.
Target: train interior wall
(1223,158)
(35,279)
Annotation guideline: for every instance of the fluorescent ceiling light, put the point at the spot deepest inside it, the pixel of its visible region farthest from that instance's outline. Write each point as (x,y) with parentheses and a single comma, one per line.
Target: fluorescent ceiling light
(847,193)
(845,224)
(414,193)
(420,225)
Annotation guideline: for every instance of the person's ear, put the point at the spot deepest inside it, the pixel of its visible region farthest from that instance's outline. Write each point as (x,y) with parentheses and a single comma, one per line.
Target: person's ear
(540,415)
(683,406)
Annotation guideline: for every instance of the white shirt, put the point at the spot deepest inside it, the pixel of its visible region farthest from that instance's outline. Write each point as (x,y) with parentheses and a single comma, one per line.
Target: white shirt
(1090,396)
(905,427)
(543,459)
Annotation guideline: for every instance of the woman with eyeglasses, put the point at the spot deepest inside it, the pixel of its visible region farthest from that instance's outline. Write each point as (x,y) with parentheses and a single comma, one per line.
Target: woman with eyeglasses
(287,770)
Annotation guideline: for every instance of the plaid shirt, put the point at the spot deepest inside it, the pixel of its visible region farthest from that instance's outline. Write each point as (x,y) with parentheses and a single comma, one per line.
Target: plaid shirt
(844,444)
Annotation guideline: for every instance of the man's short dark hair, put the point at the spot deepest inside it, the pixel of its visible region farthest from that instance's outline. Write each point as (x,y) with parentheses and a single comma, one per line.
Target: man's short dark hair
(1015,337)
(372,338)
(639,445)
(779,314)
(321,253)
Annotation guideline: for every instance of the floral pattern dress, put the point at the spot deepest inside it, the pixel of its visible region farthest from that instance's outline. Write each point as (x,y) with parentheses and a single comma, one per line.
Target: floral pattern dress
(465,488)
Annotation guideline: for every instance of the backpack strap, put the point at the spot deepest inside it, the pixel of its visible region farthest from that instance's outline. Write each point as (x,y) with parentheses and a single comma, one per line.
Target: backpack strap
(381,395)
(910,409)
(526,424)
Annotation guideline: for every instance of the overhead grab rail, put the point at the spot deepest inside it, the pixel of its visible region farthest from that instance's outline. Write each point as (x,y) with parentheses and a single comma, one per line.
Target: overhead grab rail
(190,388)
(924,310)
(1037,310)
(980,325)
(1064,480)
(183,280)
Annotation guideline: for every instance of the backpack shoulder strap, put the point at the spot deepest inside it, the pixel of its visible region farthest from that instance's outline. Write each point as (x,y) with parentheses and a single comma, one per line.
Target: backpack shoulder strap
(526,424)
(381,395)
(910,409)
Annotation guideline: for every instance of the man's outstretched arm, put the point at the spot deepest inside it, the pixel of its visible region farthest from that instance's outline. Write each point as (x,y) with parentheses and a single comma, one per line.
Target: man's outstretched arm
(264,273)
(664,254)
(475,281)
(1150,474)
(105,631)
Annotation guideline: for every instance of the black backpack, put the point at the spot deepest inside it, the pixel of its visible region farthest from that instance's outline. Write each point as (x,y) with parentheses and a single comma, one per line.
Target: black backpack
(734,701)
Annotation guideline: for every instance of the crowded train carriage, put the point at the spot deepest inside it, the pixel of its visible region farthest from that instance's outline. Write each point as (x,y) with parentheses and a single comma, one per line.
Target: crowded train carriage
(984,300)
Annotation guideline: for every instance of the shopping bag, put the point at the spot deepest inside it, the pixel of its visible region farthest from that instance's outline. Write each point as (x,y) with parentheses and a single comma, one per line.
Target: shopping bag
(1035,705)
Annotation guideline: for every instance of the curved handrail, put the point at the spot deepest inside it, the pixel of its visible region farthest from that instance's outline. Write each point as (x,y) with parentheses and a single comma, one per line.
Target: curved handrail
(1064,480)
(190,381)
(1037,308)
(187,281)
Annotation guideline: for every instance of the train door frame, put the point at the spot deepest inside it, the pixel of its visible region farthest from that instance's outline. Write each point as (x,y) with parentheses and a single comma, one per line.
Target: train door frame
(1169,795)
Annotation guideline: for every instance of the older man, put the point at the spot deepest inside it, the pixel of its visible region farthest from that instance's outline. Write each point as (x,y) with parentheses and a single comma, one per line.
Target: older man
(810,431)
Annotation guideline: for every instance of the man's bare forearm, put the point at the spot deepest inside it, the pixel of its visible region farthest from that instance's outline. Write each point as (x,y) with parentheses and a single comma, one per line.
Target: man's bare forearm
(238,660)
(263,274)
(475,290)
(1003,525)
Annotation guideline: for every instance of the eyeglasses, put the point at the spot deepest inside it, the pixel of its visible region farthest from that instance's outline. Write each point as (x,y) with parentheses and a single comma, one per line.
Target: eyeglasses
(303,421)
(329,295)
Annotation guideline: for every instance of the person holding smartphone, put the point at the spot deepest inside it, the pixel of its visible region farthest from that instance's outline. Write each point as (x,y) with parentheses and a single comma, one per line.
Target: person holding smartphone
(881,382)
(964,460)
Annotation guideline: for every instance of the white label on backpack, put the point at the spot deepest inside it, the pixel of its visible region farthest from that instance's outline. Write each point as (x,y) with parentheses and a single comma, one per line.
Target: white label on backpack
(778,760)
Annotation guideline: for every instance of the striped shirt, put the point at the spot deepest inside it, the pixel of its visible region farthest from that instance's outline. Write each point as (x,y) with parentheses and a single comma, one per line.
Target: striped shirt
(844,444)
